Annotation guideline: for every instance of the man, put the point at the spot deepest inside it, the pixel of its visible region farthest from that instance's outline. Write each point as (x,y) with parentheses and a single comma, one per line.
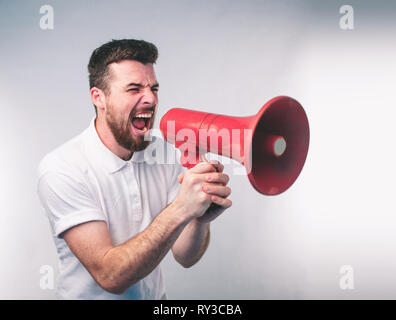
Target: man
(113,215)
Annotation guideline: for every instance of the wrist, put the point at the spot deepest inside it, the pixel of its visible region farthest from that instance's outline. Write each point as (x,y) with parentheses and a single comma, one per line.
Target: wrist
(179,211)
(200,223)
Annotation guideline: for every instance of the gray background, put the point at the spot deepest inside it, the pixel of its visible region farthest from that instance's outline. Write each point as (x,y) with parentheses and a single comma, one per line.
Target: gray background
(226,57)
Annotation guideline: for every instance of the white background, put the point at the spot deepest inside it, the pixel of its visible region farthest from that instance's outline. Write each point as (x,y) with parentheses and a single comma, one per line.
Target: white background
(225,57)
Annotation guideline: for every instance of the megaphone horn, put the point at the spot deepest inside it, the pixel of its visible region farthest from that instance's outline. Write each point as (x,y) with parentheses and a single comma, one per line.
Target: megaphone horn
(272,145)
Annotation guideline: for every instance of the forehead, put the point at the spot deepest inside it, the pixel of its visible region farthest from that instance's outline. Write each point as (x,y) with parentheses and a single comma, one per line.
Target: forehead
(127,71)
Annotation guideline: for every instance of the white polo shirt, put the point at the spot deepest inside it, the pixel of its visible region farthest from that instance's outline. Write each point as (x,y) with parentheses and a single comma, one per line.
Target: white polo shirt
(81,181)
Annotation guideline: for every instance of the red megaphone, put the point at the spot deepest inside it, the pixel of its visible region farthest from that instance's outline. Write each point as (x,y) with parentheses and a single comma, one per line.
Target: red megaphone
(273,144)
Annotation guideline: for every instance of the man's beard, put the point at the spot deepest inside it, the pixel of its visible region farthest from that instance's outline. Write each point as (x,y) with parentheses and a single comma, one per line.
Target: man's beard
(123,135)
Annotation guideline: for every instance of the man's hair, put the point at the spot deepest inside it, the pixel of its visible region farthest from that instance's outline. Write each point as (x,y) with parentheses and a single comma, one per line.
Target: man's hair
(116,51)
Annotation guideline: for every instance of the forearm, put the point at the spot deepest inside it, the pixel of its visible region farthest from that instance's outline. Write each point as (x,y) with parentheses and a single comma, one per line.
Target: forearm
(135,259)
(192,243)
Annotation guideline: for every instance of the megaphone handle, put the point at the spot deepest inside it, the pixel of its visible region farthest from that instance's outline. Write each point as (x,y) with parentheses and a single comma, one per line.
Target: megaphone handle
(213,206)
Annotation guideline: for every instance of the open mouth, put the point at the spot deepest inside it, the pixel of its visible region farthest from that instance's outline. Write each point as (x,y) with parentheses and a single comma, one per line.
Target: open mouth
(141,121)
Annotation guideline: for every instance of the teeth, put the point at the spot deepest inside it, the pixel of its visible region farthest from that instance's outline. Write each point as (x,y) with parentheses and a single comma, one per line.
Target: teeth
(144,115)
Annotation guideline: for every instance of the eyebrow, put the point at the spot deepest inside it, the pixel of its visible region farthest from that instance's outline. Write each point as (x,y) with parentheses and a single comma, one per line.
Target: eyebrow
(155,85)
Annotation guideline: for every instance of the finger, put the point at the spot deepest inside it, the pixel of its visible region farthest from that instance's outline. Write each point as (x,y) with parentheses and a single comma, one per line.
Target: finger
(219,167)
(203,167)
(217,177)
(203,158)
(225,203)
(217,190)
(180,177)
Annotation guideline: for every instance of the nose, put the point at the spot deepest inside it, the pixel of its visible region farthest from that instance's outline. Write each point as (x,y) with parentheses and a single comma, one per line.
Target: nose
(149,97)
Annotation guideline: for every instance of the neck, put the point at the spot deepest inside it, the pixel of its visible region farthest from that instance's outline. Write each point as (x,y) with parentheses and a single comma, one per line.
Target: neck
(107,138)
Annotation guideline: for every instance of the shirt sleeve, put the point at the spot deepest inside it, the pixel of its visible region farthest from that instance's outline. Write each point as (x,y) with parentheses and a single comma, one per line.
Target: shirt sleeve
(174,184)
(67,202)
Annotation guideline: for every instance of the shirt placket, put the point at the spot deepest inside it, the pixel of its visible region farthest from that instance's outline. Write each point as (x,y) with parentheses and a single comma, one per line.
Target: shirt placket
(134,192)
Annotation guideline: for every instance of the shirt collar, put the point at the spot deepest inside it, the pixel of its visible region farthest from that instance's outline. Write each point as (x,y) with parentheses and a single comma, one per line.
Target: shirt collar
(103,155)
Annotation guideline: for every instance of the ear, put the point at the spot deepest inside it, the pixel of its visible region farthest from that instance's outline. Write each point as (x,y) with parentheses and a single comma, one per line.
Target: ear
(98,98)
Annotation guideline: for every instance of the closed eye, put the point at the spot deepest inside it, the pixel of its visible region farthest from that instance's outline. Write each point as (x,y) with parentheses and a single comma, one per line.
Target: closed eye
(137,89)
